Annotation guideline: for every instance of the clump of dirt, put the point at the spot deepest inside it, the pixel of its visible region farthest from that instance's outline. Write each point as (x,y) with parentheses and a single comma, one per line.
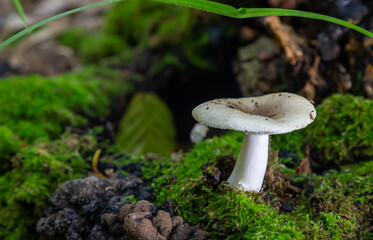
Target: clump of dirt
(143,220)
(76,208)
(94,208)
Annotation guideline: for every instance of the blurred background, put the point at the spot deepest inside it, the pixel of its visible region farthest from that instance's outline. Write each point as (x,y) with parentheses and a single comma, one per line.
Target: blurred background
(169,59)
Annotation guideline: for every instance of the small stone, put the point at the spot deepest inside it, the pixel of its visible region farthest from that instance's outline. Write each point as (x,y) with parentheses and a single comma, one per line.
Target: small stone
(287,207)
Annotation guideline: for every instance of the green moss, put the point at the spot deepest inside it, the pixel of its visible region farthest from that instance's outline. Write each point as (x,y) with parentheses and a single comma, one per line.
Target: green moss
(34,111)
(175,35)
(37,171)
(9,145)
(157,26)
(151,24)
(169,170)
(362,168)
(236,215)
(342,133)
(343,130)
(342,200)
(92,47)
(35,107)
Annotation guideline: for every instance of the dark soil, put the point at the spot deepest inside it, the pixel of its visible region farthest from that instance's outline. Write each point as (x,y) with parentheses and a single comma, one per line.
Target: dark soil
(94,208)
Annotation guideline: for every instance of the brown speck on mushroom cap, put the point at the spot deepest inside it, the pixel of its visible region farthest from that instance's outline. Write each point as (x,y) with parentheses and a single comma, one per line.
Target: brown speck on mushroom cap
(268,114)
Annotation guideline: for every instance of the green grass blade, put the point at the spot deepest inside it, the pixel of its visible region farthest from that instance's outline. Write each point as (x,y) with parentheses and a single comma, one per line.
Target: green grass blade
(209,6)
(39,24)
(229,11)
(20,11)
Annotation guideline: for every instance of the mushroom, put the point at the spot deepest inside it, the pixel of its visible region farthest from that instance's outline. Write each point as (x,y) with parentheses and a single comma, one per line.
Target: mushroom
(198,133)
(257,117)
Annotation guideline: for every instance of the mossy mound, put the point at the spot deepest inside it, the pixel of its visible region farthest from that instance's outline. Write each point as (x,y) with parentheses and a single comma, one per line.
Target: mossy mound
(334,206)
(342,133)
(343,130)
(39,108)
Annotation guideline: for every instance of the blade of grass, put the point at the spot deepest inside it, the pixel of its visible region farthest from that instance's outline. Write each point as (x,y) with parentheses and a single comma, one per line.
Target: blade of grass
(20,11)
(229,11)
(39,24)
(209,6)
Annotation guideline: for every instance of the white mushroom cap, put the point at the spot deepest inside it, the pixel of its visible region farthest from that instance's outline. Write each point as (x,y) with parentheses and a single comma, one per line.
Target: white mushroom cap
(269,114)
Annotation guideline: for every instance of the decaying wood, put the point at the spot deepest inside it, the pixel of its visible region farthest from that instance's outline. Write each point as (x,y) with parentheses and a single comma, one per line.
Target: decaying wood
(314,81)
(290,41)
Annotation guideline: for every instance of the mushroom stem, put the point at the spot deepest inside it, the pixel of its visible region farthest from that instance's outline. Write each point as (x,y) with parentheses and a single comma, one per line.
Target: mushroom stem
(251,165)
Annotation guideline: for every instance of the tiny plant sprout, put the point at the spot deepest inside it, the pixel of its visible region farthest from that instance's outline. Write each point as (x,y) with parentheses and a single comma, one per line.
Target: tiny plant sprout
(257,117)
